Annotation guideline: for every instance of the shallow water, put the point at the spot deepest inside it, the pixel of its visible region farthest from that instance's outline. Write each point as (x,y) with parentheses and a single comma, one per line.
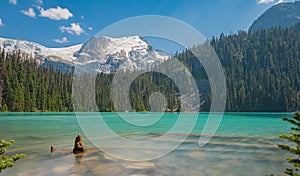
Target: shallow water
(244,144)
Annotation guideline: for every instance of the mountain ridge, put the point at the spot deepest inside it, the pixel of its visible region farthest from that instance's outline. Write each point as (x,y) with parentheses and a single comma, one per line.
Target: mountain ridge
(279,15)
(101,54)
(113,54)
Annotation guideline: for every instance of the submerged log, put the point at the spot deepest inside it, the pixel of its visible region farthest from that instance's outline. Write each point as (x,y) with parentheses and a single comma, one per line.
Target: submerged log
(55,150)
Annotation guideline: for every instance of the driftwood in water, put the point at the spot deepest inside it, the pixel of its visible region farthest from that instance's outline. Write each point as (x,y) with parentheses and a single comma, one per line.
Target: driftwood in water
(79,147)
(55,150)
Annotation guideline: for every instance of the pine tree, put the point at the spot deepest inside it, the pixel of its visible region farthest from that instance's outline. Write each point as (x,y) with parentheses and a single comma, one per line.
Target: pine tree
(7,161)
(295,149)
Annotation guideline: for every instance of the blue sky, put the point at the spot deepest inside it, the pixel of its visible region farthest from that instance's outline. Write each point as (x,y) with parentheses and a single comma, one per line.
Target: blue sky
(57,23)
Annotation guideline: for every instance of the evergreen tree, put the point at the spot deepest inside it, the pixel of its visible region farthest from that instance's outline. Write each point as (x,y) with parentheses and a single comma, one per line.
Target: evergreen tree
(294,137)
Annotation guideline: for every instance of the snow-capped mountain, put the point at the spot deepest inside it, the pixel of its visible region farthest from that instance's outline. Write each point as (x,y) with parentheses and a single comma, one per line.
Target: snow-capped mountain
(39,51)
(102,54)
(107,54)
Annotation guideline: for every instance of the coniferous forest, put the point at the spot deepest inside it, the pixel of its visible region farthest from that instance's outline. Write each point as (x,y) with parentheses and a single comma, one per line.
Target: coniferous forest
(26,86)
(262,70)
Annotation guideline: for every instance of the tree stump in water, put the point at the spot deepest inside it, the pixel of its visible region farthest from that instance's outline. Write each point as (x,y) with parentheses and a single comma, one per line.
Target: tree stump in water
(79,147)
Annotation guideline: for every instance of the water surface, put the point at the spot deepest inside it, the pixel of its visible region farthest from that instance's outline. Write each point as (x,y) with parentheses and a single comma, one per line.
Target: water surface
(245,144)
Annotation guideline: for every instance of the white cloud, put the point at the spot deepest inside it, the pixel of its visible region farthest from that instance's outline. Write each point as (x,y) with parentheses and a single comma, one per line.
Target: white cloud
(264,1)
(63,40)
(269,1)
(14,2)
(90,28)
(57,13)
(75,28)
(1,23)
(30,12)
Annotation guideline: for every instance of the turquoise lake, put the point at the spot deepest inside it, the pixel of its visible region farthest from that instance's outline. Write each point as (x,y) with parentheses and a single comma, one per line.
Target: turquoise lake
(244,144)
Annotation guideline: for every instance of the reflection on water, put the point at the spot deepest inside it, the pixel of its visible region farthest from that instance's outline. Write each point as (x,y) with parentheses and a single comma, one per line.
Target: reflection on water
(243,146)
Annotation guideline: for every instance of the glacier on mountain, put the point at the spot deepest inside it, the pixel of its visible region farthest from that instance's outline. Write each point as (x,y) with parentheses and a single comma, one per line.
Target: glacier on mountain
(102,54)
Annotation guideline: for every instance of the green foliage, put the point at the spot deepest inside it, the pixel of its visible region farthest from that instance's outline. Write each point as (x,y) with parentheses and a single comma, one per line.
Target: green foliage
(294,137)
(7,161)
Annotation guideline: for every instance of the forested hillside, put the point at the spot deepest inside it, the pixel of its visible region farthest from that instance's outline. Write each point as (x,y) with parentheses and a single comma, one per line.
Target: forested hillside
(26,86)
(262,69)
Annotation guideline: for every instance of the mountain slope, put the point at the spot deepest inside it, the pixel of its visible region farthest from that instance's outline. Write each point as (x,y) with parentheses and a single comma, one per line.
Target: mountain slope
(282,14)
